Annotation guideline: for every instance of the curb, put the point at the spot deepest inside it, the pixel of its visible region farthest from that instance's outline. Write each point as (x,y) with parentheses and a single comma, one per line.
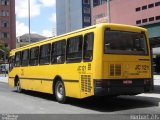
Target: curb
(4,82)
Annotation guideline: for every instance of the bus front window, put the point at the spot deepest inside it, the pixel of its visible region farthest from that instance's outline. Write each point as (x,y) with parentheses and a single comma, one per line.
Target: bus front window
(122,42)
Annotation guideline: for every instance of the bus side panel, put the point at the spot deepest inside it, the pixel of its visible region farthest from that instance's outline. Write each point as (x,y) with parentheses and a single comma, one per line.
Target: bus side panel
(39,78)
(72,89)
(46,86)
(77,79)
(47,74)
(11,82)
(70,77)
(98,54)
(12,74)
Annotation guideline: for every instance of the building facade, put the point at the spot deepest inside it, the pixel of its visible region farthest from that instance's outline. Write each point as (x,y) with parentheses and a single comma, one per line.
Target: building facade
(7,23)
(23,40)
(72,15)
(133,12)
(144,13)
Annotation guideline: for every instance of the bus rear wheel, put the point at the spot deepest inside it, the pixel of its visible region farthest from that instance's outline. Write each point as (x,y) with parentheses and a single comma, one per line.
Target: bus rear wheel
(60,92)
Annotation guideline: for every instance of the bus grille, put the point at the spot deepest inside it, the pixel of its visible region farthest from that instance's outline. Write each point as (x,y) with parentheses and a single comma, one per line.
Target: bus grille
(86,83)
(115,69)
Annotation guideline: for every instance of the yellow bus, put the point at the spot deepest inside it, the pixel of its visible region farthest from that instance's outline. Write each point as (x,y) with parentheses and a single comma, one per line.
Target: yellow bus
(105,59)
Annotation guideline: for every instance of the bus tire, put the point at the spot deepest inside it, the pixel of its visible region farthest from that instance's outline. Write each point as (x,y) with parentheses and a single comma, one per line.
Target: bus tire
(60,92)
(18,86)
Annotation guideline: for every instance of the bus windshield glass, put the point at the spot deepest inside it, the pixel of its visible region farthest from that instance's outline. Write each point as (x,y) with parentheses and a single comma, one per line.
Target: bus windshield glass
(122,42)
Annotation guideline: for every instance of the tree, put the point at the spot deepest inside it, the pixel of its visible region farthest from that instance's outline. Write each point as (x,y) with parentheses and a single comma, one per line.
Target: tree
(2,47)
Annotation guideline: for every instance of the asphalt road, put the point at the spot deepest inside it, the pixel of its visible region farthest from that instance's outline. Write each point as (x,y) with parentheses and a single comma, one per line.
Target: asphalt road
(29,102)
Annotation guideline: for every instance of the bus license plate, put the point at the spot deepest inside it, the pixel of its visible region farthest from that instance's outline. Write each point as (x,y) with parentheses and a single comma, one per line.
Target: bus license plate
(126,82)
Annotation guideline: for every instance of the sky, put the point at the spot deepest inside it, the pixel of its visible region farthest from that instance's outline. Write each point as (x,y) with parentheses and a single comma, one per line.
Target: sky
(43,17)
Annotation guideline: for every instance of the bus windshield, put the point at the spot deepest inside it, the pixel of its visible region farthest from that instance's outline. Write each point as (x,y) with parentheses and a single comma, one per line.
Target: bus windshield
(122,42)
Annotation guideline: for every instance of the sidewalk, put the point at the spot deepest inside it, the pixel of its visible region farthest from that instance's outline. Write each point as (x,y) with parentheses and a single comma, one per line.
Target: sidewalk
(156,79)
(3,79)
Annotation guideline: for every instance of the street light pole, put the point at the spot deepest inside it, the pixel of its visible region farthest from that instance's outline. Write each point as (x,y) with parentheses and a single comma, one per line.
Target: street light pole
(29,36)
(108,11)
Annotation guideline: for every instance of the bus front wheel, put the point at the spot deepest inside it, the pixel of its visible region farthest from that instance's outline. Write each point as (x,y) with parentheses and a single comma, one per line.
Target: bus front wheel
(60,92)
(18,86)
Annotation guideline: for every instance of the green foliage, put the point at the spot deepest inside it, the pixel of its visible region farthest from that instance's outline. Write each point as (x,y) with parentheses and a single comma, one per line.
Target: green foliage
(2,47)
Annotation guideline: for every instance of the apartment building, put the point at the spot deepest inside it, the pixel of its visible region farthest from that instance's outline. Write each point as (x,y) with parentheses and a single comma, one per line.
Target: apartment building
(7,23)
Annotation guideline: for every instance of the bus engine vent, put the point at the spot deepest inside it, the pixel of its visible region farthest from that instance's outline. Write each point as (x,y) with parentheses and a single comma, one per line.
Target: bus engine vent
(86,83)
(115,69)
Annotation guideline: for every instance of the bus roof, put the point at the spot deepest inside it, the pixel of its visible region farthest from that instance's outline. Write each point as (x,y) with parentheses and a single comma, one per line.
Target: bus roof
(73,32)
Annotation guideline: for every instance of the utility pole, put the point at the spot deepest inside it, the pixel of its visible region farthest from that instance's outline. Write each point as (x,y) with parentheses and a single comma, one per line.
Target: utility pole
(29,31)
(108,11)
(68,15)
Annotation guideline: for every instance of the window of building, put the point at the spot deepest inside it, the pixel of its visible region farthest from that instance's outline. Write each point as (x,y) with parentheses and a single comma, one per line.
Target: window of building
(96,2)
(86,19)
(45,54)
(151,5)
(85,26)
(4,2)
(138,22)
(86,10)
(5,24)
(157,17)
(144,7)
(86,1)
(17,59)
(5,35)
(157,4)
(4,13)
(6,45)
(74,49)
(144,20)
(151,19)
(25,58)
(88,47)
(34,53)
(58,52)
(99,16)
(103,1)
(138,9)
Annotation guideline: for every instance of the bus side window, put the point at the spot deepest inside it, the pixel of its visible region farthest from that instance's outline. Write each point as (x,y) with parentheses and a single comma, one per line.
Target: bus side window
(88,47)
(45,54)
(11,63)
(34,53)
(25,58)
(74,49)
(17,59)
(58,52)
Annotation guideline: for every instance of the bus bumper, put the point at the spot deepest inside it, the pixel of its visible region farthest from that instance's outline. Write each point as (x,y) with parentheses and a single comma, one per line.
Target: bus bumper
(121,87)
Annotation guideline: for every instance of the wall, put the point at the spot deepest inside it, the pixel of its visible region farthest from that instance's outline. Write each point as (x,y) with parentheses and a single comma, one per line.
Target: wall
(11,29)
(124,11)
(68,15)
